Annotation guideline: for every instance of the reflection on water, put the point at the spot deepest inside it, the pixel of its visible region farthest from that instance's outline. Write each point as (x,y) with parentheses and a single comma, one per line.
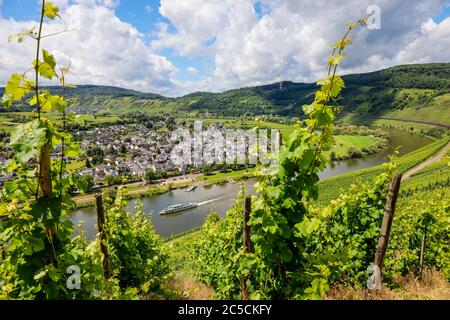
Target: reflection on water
(220,197)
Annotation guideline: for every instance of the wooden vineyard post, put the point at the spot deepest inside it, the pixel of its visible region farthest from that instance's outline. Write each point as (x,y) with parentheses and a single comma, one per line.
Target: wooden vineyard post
(246,234)
(102,232)
(246,240)
(387,221)
(422,249)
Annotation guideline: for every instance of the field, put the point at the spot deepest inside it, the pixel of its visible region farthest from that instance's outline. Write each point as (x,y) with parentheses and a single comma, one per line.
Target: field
(223,176)
(410,126)
(412,104)
(343,143)
(9,120)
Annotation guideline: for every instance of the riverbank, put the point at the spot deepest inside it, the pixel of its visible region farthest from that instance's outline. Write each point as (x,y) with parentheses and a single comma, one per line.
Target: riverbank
(329,188)
(218,194)
(347,146)
(140,190)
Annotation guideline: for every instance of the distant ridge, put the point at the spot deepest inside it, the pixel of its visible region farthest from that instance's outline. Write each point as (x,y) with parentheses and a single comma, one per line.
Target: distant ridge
(378,92)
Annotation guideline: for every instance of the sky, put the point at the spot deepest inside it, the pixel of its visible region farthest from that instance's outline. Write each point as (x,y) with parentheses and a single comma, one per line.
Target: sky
(175,47)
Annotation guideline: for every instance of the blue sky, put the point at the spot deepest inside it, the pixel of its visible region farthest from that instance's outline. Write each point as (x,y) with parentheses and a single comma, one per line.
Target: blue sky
(142,14)
(206,56)
(445,13)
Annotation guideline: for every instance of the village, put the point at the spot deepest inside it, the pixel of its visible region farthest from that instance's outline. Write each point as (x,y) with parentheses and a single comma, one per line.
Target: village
(139,152)
(121,154)
(128,151)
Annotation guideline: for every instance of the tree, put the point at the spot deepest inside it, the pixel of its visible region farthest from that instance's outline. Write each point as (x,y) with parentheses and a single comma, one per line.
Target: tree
(151,174)
(123,148)
(170,123)
(207,170)
(112,180)
(333,156)
(85,183)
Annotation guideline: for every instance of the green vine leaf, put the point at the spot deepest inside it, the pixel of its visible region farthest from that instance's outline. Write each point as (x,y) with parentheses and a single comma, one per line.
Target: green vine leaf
(27,139)
(49,59)
(51,11)
(17,87)
(337,86)
(49,102)
(335,59)
(46,68)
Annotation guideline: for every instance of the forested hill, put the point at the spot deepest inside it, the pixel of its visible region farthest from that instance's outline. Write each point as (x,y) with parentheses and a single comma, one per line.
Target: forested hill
(393,89)
(409,86)
(94,98)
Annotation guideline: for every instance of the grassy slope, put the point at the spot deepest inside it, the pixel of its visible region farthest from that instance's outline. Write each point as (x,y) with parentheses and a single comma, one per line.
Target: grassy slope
(438,110)
(222,176)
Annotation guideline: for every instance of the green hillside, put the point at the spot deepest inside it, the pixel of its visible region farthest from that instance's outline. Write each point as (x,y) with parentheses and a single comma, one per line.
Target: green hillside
(420,91)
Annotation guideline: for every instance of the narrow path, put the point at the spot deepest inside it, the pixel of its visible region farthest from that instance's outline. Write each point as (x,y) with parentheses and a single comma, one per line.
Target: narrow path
(436,158)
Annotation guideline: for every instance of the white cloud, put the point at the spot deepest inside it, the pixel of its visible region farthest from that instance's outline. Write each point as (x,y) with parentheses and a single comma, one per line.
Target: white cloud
(286,40)
(105,3)
(431,45)
(196,22)
(148,9)
(292,39)
(193,71)
(102,50)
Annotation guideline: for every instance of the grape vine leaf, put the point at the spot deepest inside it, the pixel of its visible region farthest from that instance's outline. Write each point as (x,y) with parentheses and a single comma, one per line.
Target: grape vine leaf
(17,87)
(46,68)
(51,11)
(27,139)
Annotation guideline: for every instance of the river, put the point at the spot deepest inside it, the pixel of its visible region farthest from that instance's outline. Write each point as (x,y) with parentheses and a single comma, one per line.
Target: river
(220,197)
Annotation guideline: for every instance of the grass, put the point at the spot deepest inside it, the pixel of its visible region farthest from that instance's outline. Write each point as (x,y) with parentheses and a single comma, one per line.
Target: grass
(342,143)
(432,286)
(245,124)
(178,247)
(438,172)
(182,283)
(437,110)
(222,176)
(417,127)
